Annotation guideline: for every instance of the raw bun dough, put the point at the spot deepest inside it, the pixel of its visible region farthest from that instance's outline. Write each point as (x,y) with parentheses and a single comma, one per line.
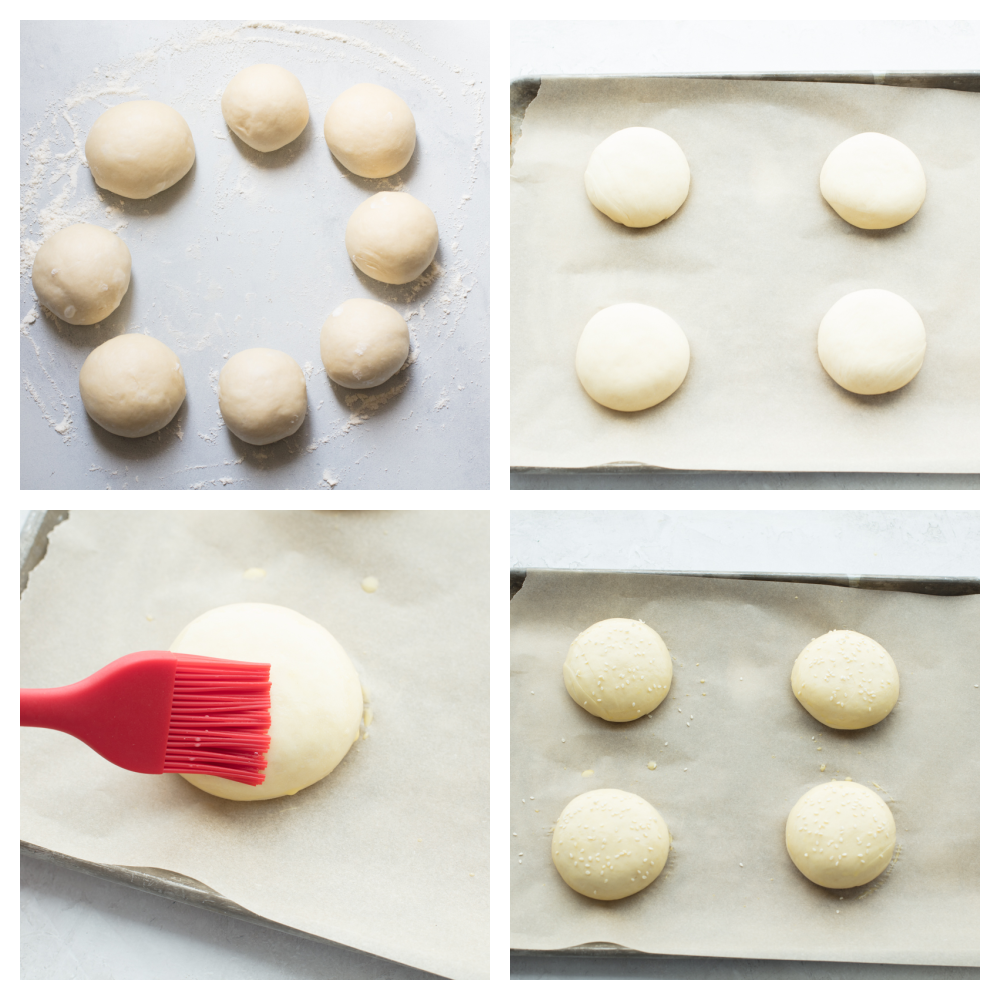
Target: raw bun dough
(139,149)
(845,680)
(873,181)
(840,835)
(132,385)
(872,342)
(82,273)
(316,699)
(631,357)
(262,395)
(363,343)
(392,237)
(638,177)
(370,130)
(609,844)
(265,106)
(618,670)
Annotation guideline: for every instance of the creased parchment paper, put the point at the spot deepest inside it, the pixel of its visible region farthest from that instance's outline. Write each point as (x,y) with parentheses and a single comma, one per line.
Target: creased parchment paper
(389,853)
(734,754)
(748,267)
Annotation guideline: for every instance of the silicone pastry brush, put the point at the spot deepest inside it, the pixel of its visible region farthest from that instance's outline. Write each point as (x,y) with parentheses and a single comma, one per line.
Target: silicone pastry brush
(158,712)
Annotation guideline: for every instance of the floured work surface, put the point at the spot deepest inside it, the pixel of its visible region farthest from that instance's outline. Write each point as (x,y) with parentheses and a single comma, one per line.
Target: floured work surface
(748,267)
(729,776)
(389,853)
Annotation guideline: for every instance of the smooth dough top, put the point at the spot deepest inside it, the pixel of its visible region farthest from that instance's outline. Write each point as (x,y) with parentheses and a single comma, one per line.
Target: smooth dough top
(262,395)
(873,181)
(840,835)
(363,343)
(316,699)
(392,237)
(845,680)
(609,844)
(370,130)
(265,106)
(638,177)
(618,670)
(631,357)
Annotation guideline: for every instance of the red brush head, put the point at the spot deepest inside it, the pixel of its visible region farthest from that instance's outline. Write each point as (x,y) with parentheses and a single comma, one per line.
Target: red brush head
(220,719)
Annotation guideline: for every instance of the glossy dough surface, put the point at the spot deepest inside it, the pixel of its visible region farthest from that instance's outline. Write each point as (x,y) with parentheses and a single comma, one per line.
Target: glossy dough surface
(316,699)
(262,395)
(845,680)
(618,669)
(638,177)
(631,357)
(609,844)
(392,237)
(872,341)
(873,181)
(265,106)
(370,130)
(132,385)
(139,148)
(840,835)
(363,343)
(82,273)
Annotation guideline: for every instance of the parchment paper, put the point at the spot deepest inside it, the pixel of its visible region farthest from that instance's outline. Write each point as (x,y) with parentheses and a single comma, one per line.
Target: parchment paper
(389,853)
(726,779)
(748,267)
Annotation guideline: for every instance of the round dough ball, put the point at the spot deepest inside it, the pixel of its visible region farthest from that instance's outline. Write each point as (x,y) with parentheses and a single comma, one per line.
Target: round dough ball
(262,395)
(370,130)
(609,844)
(873,181)
(82,273)
(871,342)
(638,177)
(840,835)
(631,357)
(139,149)
(316,699)
(363,343)
(845,680)
(132,385)
(265,106)
(618,670)
(392,237)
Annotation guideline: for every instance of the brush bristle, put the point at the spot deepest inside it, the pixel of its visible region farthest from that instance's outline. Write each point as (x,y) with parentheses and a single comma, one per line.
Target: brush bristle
(219,721)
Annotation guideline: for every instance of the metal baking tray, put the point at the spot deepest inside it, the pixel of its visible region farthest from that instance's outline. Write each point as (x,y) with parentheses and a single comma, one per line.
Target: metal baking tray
(171,885)
(522,92)
(940,586)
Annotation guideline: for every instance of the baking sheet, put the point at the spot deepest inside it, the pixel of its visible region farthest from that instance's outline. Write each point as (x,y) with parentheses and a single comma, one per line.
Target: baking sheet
(726,778)
(248,251)
(748,267)
(388,854)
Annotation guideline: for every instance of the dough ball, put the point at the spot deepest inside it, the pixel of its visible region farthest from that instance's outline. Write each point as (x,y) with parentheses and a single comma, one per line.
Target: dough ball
(316,700)
(370,130)
(631,357)
(392,237)
(873,181)
(82,273)
(872,342)
(638,177)
(845,680)
(132,385)
(265,106)
(363,343)
(609,844)
(262,395)
(840,835)
(618,670)
(139,149)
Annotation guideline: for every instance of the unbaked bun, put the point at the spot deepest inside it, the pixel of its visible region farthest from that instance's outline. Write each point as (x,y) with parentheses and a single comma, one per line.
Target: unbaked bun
(132,385)
(82,273)
(392,237)
(363,343)
(609,844)
(618,670)
(139,148)
(370,130)
(265,106)
(262,395)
